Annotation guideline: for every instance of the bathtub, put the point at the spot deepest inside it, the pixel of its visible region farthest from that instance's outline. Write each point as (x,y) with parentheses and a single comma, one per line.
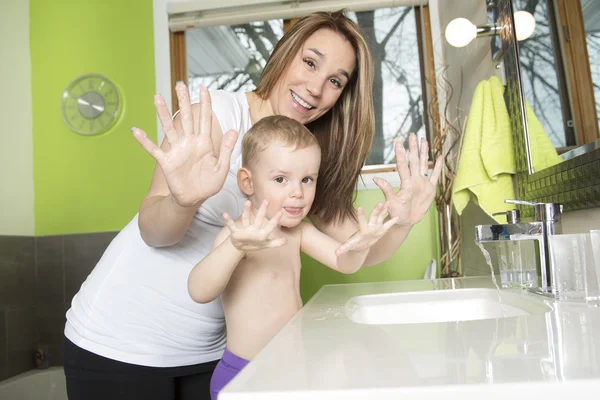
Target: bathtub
(37,384)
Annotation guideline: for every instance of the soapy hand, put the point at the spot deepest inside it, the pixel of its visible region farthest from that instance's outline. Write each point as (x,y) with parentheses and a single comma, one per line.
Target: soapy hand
(417,190)
(253,233)
(190,166)
(368,233)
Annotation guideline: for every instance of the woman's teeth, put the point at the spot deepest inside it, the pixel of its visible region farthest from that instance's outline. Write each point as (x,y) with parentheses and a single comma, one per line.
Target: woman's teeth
(301,102)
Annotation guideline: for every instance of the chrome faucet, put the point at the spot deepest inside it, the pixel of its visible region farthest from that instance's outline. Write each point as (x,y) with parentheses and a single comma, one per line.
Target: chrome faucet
(547,223)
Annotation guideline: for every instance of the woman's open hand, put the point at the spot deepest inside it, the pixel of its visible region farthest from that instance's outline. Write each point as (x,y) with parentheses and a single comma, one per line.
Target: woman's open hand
(417,190)
(253,232)
(190,166)
(368,233)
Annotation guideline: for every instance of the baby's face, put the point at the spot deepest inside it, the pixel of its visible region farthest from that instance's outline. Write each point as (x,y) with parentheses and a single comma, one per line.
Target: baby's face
(287,178)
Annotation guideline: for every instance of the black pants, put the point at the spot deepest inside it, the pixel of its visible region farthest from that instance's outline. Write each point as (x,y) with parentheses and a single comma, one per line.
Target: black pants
(93,377)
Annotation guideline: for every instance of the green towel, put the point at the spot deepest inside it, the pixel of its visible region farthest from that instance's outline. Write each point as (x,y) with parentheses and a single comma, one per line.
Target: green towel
(543,154)
(487,159)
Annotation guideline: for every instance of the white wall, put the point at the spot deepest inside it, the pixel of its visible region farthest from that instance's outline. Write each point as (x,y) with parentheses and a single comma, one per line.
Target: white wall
(581,221)
(467,66)
(162,56)
(16,151)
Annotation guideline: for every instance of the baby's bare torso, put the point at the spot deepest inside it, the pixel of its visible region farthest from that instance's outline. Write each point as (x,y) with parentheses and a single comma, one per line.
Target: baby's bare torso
(262,295)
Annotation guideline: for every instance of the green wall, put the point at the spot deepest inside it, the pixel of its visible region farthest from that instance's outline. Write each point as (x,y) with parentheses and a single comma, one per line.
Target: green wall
(90,183)
(409,262)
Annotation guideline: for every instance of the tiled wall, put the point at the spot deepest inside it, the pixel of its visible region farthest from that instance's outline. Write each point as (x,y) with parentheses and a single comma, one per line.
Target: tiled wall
(575,183)
(38,278)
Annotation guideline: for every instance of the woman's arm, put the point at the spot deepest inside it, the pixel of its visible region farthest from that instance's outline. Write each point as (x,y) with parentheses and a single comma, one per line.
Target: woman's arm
(191,166)
(409,205)
(162,220)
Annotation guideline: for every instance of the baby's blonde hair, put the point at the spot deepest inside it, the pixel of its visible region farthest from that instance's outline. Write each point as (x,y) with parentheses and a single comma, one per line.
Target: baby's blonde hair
(275,128)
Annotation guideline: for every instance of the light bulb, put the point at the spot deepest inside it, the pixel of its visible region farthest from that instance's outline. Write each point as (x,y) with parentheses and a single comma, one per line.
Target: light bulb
(524,24)
(460,32)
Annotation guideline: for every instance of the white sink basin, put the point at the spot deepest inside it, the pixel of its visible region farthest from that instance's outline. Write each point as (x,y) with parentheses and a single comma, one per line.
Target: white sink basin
(441,306)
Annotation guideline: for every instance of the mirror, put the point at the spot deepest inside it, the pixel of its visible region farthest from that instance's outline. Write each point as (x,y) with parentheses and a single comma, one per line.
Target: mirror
(574,180)
(560,72)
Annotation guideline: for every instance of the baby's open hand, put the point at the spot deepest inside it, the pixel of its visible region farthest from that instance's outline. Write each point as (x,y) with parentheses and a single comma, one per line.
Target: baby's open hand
(368,233)
(253,235)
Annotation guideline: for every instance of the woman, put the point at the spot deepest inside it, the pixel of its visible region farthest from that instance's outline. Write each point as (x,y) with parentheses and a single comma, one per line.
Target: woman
(132,330)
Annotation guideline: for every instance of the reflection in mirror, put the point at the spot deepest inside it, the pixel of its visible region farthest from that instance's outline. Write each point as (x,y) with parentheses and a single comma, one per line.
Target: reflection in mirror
(574,182)
(560,72)
(542,76)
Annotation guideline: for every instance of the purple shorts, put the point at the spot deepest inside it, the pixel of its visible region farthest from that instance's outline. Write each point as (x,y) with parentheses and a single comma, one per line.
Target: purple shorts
(227,368)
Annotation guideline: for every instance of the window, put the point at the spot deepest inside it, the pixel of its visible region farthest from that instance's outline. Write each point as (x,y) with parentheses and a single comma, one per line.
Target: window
(253,42)
(391,34)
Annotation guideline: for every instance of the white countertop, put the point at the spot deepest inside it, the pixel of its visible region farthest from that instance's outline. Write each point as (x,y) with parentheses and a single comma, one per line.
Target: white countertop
(321,353)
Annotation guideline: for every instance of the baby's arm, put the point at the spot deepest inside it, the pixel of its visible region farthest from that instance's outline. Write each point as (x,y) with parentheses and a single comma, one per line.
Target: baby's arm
(210,276)
(351,255)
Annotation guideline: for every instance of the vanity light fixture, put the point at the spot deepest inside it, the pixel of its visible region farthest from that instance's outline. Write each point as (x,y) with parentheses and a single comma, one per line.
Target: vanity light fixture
(524,24)
(460,31)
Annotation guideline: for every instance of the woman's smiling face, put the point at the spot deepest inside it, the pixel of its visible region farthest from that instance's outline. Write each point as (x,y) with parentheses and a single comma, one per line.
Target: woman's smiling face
(316,77)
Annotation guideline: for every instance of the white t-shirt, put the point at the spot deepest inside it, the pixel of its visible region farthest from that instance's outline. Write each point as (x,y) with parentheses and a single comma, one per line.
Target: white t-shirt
(134,306)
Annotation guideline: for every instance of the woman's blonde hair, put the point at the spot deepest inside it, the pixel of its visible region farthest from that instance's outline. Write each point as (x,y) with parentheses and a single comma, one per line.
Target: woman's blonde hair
(345,133)
(275,128)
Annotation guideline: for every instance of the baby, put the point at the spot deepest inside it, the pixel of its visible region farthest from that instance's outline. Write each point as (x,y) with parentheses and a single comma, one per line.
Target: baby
(254,264)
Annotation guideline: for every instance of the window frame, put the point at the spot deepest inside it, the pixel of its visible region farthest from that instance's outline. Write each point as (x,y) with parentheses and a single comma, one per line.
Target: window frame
(578,77)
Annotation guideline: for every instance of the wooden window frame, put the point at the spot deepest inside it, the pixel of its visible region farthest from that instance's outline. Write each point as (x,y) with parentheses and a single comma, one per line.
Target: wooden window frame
(178,64)
(578,74)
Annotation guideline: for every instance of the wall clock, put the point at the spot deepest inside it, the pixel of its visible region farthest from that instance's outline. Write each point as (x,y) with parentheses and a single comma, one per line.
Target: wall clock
(90,104)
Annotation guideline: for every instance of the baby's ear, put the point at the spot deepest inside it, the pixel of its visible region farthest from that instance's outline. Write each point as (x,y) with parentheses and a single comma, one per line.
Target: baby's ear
(244,180)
